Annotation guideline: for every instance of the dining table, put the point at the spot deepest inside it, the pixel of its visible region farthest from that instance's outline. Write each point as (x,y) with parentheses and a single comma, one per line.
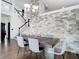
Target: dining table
(45,42)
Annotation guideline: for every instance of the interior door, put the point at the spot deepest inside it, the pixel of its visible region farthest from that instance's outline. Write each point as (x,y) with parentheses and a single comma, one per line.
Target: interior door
(8,31)
(3,32)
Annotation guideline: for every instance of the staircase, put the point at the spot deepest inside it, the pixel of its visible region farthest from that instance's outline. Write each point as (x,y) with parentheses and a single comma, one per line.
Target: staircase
(18,22)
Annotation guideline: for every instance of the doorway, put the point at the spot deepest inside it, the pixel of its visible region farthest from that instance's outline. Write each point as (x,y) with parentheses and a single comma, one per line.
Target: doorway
(3,33)
(8,31)
(6,19)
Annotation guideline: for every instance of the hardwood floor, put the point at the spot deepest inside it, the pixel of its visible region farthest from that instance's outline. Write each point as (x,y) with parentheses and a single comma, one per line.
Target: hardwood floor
(10,50)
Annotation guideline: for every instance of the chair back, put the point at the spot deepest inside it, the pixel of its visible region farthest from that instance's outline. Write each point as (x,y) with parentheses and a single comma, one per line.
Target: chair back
(60,47)
(33,44)
(20,41)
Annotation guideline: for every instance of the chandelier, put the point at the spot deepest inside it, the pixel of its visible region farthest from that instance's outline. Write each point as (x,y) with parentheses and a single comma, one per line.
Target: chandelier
(31,10)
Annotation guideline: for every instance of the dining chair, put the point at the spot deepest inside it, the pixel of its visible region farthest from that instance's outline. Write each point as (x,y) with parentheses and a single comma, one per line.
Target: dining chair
(21,44)
(60,47)
(34,47)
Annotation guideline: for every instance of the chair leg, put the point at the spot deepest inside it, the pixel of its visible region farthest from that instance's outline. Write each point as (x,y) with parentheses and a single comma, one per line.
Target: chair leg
(18,51)
(43,54)
(40,56)
(37,56)
(30,55)
(63,56)
(24,50)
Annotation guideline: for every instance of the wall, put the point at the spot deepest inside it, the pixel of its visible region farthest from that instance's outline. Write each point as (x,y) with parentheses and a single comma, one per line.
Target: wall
(59,24)
(5,8)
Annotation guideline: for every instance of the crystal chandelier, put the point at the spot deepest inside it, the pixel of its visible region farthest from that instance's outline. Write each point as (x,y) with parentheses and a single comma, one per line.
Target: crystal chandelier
(31,10)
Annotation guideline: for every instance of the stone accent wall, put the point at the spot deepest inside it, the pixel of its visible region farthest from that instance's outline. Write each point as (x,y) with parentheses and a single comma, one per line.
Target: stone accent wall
(58,24)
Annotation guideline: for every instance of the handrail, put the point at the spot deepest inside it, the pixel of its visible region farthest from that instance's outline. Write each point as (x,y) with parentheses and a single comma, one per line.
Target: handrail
(20,14)
(7,2)
(25,23)
(23,26)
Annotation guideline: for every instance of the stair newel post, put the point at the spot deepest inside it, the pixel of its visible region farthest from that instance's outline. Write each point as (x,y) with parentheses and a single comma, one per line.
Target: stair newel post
(18,31)
(28,22)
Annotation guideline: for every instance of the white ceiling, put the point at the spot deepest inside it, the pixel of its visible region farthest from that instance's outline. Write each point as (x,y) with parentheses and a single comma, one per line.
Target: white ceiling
(20,3)
(51,4)
(57,4)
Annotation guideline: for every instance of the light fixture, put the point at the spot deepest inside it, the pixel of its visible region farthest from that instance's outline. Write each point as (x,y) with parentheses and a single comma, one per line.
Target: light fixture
(31,10)
(27,7)
(34,8)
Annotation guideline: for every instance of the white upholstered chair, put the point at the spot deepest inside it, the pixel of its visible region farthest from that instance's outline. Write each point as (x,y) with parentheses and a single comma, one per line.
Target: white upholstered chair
(21,44)
(34,46)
